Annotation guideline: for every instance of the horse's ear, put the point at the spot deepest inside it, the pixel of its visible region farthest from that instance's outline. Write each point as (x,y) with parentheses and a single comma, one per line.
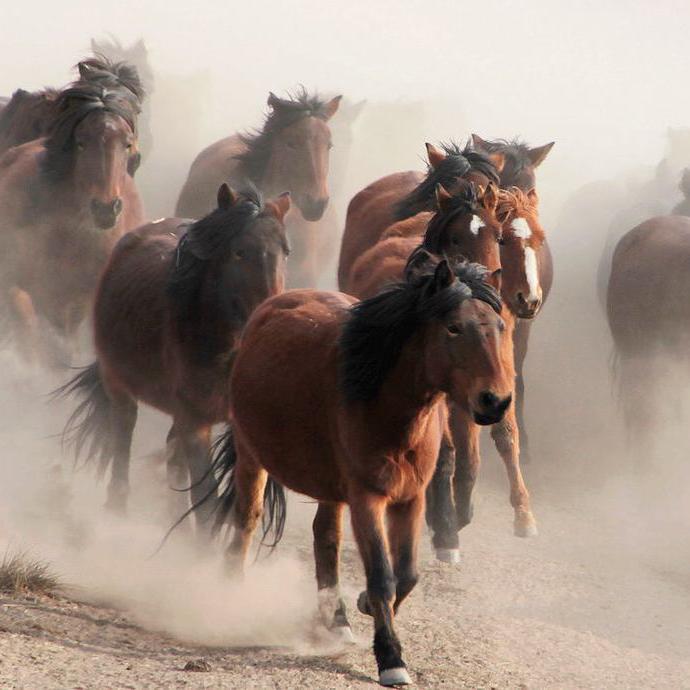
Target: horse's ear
(443,276)
(226,197)
(435,155)
(279,206)
(498,160)
(84,70)
(133,163)
(478,143)
(489,199)
(273,101)
(538,154)
(494,279)
(354,111)
(443,199)
(331,108)
(139,47)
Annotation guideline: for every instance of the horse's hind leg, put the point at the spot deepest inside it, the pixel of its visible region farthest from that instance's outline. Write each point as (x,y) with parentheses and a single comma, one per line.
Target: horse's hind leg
(404,521)
(328,534)
(123,418)
(506,437)
(440,508)
(367,512)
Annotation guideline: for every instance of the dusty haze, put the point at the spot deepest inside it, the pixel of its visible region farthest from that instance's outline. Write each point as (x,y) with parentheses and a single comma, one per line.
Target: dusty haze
(604,81)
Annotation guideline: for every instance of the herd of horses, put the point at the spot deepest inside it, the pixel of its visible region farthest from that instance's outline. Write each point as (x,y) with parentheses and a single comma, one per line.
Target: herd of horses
(372,397)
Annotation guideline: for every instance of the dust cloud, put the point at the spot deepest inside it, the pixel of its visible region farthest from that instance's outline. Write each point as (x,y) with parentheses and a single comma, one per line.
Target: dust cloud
(605,81)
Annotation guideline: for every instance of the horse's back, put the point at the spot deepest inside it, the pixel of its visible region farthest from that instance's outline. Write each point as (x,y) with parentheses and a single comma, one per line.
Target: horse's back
(649,283)
(369,213)
(214,165)
(285,389)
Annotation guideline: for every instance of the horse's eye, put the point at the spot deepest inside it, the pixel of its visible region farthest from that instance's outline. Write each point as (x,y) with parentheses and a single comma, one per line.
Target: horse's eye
(454,329)
(80,146)
(330,145)
(293,146)
(129,147)
(239,254)
(501,241)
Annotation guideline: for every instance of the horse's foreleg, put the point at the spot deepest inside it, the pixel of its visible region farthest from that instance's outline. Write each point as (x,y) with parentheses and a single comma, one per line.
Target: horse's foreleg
(506,437)
(328,534)
(367,513)
(440,507)
(196,445)
(520,340)
(177,472)
(123,418)
(404,522)
(25,322)
(466,441)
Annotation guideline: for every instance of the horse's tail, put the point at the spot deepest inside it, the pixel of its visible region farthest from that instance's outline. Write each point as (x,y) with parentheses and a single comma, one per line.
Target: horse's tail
(88,427)
(224,459)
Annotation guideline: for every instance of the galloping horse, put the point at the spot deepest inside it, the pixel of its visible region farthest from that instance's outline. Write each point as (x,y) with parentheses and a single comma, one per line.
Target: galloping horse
(402,196)
(169,309)
(649,315)
(64,202)
(290,153)
(341,402)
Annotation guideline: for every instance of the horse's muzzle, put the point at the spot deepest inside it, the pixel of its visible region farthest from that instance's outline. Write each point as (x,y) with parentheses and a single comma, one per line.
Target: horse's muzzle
(105,215)
(527,307)
(490,408)
(312,209)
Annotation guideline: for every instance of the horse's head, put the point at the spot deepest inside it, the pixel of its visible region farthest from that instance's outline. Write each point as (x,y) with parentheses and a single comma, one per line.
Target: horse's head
(104,148)
(519,160)
(300,143)
(465,225)
(523,237)
(254,258)
(463,352)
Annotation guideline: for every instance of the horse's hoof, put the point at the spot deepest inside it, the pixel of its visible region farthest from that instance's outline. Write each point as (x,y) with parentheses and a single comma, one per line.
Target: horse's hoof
(343,633)
(394,676)
(451,556)
(363,603)
(526,529)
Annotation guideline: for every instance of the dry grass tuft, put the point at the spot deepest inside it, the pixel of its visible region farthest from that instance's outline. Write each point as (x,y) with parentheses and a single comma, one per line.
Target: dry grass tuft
(22,574)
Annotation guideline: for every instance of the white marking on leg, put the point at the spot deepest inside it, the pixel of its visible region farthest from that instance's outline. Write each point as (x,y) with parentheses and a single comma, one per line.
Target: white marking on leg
(475,224)
(521,228)
(532,274)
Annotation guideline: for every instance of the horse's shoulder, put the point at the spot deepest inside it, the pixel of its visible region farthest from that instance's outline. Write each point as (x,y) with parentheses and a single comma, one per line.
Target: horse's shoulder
(409,227)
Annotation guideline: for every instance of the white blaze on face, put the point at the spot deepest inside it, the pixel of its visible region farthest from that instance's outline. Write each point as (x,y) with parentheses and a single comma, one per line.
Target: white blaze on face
(532,274)
(475,224)
(521,228)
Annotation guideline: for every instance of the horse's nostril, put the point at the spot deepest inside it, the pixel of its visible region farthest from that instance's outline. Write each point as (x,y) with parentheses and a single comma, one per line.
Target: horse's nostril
(117,205)
(487,399)
(521,298)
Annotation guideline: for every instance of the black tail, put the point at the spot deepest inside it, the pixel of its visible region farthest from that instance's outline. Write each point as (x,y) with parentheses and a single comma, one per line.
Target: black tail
(88,427)
(224,458)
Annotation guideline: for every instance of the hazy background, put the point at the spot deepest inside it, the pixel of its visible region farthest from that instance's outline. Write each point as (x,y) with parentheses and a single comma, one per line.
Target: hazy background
(602,80)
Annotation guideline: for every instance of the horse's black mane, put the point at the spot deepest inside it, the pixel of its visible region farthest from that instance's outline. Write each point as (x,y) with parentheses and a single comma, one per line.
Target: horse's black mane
(110,74)
(72,106)
(379,327)
(458,162)
(464,201)
(203,241)
(288,111)
(41,105)
(517,158)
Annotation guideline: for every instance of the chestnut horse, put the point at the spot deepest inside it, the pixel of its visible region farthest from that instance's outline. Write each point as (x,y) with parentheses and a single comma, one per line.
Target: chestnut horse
(649,316)
(64,202)
(341,402)
(291,153)
(169,308)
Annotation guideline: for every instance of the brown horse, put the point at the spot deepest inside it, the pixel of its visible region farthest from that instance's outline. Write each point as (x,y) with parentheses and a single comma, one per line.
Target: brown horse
(291,153)
(64,202)
(649,317)
(403,195)
(169,309)
(341,402)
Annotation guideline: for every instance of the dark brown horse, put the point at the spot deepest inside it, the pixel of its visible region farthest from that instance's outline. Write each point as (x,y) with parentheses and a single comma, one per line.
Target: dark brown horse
(291,153)
(169,309)
(649,317)
(342,402)
(64,202)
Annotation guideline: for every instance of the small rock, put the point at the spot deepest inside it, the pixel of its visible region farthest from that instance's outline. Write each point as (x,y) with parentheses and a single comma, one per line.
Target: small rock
(199,665)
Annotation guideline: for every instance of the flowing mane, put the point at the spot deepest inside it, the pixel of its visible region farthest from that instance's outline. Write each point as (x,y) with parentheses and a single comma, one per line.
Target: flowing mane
(285,113)
(378,328)
(110,74)
(72,106)
(458,162)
